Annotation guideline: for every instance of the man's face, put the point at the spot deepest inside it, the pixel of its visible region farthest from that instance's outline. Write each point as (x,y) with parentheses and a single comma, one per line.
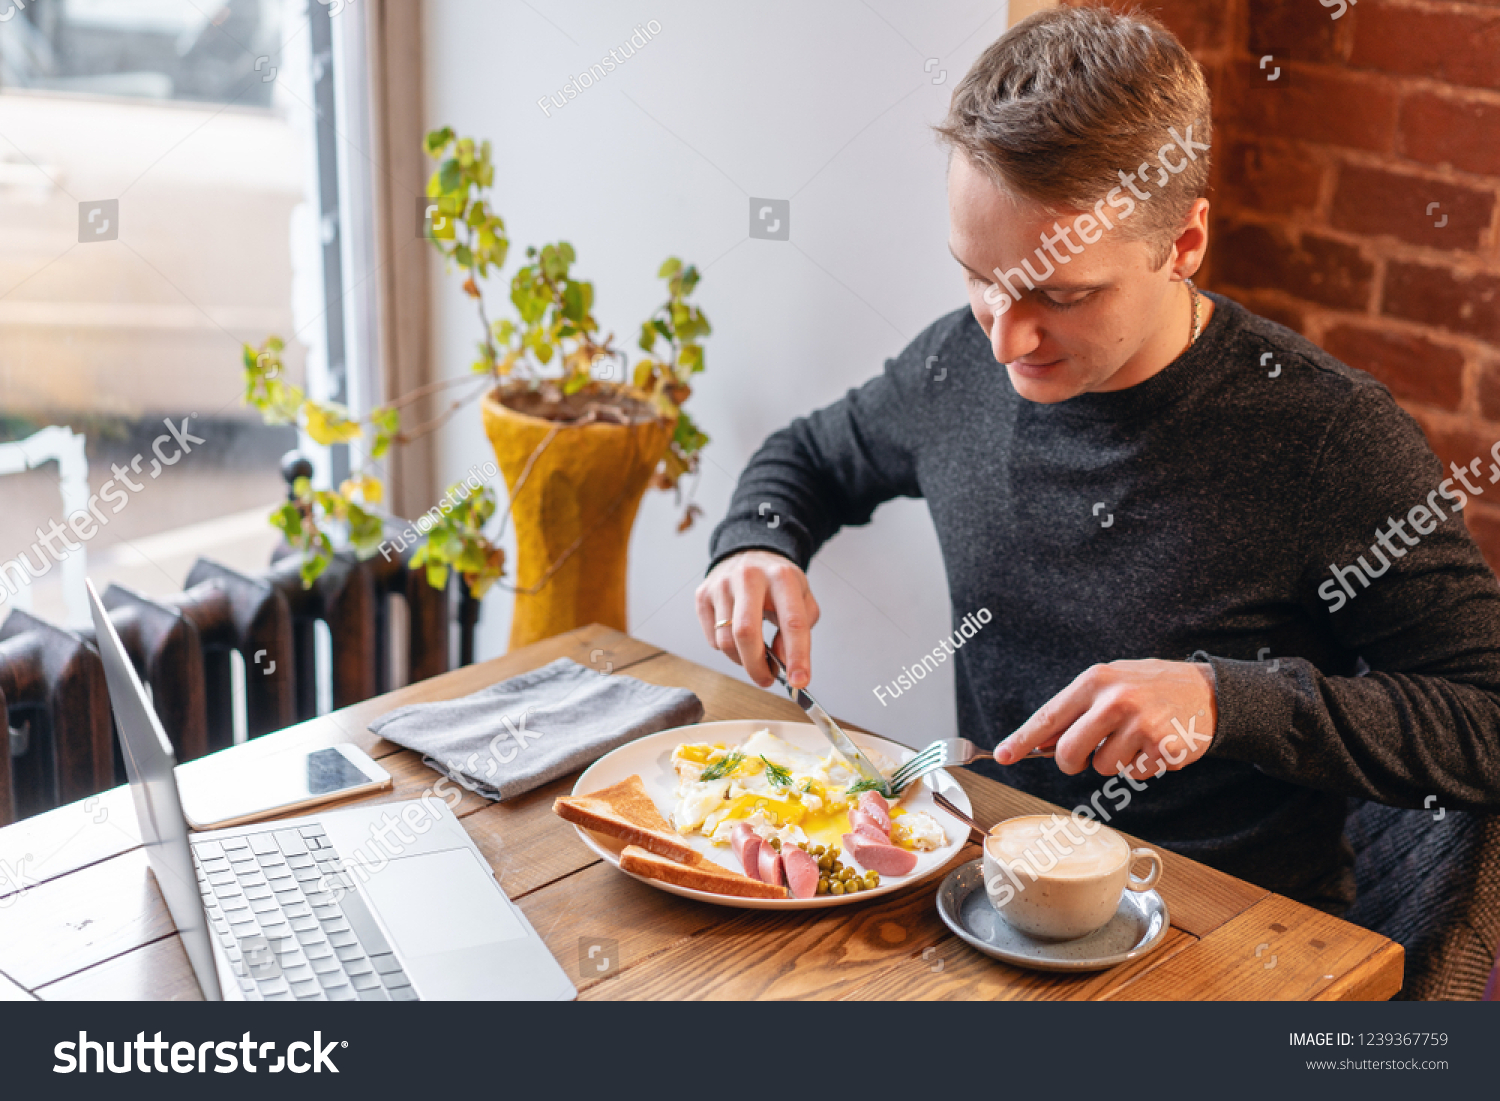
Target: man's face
(1103,320)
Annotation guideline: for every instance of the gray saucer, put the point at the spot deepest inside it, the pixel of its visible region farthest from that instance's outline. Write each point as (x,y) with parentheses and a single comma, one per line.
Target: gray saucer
(1137,927)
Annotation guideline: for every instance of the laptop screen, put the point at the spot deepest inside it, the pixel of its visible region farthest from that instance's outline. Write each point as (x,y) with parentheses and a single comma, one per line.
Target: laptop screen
(149,763)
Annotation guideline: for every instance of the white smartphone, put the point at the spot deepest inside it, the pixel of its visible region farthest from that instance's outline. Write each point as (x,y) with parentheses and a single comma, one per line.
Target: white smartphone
(219,790)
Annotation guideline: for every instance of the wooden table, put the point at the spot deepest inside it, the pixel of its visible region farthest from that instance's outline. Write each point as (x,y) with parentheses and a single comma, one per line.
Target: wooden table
(91,924)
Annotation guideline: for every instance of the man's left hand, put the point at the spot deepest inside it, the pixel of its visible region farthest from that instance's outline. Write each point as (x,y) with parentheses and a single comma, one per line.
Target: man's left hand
(1122,714)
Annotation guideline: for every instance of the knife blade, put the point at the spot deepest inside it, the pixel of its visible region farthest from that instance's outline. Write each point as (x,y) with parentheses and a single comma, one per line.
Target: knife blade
(831,730)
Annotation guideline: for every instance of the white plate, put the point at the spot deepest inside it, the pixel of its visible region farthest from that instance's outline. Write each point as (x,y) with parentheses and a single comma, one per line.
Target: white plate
(651,759)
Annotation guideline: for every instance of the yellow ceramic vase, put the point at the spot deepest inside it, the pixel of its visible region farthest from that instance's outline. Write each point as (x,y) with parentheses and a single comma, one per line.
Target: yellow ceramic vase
(586,484)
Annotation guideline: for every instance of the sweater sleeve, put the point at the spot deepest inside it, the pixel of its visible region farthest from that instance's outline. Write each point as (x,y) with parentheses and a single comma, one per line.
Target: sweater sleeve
(833,467)
(1424,720)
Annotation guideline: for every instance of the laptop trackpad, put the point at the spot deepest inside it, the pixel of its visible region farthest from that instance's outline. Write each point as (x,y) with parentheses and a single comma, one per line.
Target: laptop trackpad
(441,902)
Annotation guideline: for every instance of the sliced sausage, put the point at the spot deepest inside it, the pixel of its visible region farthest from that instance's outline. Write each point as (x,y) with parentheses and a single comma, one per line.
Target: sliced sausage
(754,846)
(770,865)
(746,843)
(801,870)
(868,799)
(886,859)
(741,833)
(865,830)
(874,811)
(858,817)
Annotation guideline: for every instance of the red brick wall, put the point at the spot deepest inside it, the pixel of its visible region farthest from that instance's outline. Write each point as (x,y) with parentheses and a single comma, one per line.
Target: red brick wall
(1322,186)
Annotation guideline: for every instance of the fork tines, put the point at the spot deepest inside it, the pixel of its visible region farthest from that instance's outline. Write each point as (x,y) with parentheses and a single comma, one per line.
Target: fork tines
(928,759)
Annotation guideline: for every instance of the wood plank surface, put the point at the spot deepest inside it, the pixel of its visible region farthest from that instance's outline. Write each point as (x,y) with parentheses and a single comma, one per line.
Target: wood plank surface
(1275,951)
(804,954)
(10,992)
(64,839)
(602,903)
(82,919)
(952,971)
(155,972)
(525,843)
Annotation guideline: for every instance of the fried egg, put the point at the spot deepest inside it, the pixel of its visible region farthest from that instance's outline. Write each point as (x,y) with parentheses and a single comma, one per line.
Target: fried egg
(916,830)
(781,790)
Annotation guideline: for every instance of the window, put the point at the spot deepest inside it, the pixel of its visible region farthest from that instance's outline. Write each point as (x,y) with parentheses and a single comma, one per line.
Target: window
(160,205)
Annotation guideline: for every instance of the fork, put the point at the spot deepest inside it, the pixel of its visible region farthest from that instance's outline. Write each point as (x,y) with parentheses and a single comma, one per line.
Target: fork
(948,753)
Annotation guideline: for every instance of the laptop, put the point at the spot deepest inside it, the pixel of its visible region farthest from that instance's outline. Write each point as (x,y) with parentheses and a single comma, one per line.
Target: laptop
(313,908)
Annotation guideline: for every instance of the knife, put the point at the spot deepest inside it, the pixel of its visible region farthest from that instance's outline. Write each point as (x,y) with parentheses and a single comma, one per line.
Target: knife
(824,722)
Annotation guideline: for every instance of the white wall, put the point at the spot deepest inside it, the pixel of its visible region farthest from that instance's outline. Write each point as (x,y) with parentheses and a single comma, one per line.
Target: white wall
(828,104)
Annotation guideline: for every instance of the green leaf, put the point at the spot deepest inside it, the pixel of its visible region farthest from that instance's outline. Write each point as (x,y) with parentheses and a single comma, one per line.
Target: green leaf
(648,336)
(723,767)
(450,175)
(437,139)
(437,575)
(288,520)
(776,776)
(669,267)
(686,434)
(313,565)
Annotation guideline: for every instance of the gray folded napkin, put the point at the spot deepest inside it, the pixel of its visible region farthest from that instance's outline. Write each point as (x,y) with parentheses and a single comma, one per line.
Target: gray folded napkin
(520,733)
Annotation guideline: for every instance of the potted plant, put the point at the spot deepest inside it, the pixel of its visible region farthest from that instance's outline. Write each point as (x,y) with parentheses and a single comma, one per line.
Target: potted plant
(578,433)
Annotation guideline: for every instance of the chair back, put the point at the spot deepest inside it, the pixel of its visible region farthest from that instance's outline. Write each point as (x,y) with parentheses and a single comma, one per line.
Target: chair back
(1430,880)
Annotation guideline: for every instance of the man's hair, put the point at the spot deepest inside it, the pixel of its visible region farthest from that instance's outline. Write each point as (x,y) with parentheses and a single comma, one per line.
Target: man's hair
(1069,98)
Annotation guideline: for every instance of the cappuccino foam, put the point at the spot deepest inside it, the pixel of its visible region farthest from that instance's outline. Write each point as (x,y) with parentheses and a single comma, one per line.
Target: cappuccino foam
(1068,853)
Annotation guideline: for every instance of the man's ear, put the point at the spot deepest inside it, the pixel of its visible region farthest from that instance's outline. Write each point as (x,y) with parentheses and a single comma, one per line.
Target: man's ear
(1191,245)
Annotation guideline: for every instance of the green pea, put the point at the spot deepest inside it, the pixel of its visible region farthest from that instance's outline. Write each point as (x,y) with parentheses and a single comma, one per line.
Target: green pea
(835,888)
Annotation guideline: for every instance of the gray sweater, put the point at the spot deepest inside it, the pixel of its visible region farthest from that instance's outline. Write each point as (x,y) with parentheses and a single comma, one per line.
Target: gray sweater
(1213,512)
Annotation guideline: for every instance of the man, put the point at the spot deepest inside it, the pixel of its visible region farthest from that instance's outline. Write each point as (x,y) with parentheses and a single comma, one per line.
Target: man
(1217,559)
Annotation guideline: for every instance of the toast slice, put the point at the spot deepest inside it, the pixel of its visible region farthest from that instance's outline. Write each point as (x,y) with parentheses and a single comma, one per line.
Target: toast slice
(624,810)
(705,876)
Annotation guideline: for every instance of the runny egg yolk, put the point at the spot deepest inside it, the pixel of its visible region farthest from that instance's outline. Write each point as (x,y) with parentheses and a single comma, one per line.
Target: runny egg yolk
(824,827)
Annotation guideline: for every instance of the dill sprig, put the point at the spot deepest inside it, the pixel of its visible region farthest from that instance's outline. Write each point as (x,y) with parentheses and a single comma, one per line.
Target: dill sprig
(776,775)
(866,785)
(723,767)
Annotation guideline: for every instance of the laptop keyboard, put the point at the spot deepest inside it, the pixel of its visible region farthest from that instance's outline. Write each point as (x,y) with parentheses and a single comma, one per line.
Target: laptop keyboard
(289,935)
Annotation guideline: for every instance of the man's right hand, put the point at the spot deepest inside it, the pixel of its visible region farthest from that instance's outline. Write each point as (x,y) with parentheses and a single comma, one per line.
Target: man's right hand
(743,591)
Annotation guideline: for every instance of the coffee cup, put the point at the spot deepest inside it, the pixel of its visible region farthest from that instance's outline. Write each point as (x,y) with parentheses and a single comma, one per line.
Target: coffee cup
(1059,877)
